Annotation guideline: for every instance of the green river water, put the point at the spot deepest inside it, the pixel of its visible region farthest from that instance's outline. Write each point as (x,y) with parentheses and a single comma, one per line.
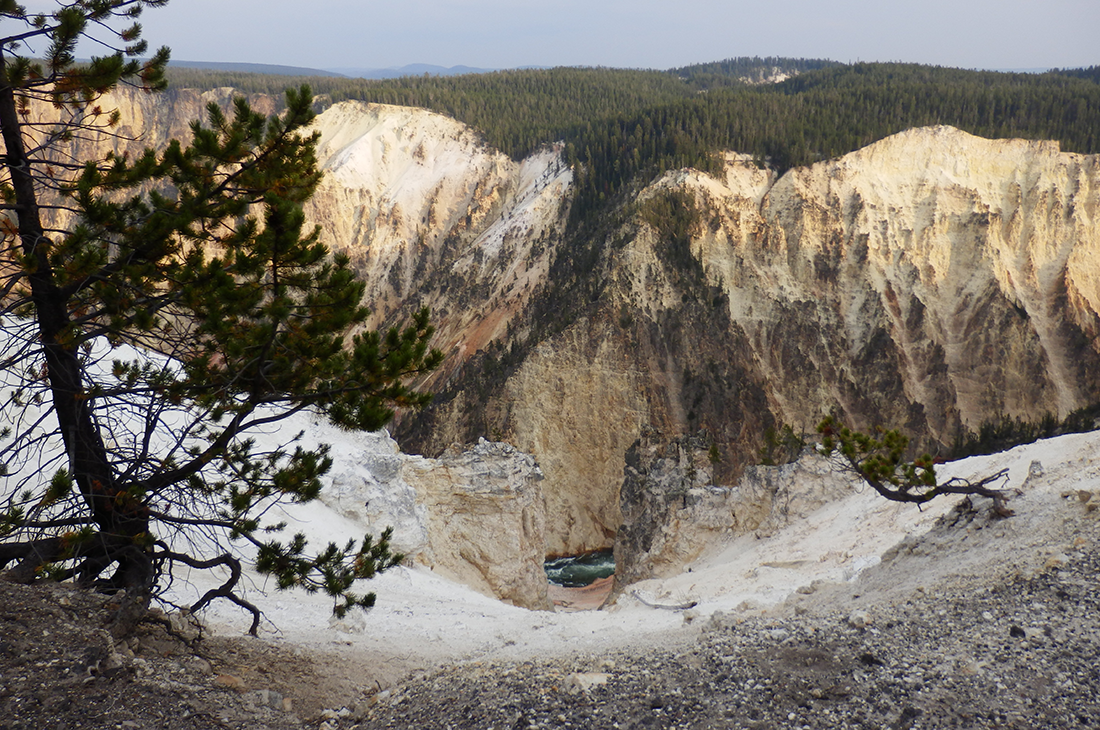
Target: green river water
(580,570)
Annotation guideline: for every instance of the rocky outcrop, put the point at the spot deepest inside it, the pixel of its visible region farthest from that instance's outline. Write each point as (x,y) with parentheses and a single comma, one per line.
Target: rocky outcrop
(673,510)
(663,482)
(367,484)
(486,520)
(475,515)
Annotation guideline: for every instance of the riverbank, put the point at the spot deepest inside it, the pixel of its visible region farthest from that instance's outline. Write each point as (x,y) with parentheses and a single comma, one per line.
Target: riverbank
(586,598)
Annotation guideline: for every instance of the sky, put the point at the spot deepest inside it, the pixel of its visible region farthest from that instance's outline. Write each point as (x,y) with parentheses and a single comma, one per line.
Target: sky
(991,34)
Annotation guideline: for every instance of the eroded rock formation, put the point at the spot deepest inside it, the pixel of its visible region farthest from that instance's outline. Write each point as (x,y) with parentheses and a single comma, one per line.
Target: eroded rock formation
(475,515)
(486,520)
(930,281)
(433,217)
(673,509)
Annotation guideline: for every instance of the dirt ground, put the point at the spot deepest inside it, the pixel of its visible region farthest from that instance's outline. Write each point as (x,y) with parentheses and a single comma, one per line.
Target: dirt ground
(60,668)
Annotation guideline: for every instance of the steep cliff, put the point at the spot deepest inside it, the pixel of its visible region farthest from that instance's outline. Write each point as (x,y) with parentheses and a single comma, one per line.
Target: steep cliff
(951,278)
(432,217)
(930,281)
(486,520)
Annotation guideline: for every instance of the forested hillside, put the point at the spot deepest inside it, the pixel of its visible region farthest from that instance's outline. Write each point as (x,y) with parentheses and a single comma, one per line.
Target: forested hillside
(625,125)
(746,70)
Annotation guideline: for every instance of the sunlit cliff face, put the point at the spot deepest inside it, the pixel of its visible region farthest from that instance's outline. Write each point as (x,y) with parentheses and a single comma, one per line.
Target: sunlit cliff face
(929,281)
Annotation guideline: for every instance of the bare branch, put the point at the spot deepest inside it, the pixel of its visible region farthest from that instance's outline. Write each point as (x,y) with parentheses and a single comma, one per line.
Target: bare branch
(223,591)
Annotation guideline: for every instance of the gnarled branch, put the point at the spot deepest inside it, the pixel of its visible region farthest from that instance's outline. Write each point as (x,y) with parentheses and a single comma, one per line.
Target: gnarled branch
(880,463)
(223,591)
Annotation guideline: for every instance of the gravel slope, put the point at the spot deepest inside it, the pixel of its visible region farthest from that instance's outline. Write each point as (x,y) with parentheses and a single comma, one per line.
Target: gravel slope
(1008,648)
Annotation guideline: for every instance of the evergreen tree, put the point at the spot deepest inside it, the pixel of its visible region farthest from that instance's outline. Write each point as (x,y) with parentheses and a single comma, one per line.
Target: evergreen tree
(880,461)
(156,312)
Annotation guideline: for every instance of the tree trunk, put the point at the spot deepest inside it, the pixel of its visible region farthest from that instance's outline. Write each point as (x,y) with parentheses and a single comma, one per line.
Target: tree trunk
(122,522)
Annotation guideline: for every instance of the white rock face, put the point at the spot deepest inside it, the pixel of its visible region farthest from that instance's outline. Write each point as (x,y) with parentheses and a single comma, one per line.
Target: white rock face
(366,484)
(486,520)
(430,215)
(475,515)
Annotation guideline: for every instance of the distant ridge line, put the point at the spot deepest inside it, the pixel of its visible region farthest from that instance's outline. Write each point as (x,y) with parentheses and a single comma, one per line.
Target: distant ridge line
(416,69)
(412,69)
(254,68)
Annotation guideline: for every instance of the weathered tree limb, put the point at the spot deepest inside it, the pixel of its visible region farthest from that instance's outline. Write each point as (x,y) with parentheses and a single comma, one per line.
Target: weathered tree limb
(31,555)
(668,607)
(954,485)
(880,461)
(223,591)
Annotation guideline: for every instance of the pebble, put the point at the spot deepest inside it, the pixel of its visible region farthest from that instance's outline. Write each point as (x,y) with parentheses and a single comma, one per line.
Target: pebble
(859,619)
(584,681)
(231,681)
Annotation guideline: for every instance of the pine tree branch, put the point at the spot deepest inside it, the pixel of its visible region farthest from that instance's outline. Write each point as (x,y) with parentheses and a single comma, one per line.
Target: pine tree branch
(226,590)
(879,462)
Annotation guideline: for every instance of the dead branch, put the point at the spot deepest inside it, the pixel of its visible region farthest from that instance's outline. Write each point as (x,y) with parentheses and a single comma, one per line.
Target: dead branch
(223,591)
(668,607)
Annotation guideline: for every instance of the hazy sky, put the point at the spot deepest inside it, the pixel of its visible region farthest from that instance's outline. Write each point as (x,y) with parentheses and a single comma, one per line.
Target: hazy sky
(1001,34)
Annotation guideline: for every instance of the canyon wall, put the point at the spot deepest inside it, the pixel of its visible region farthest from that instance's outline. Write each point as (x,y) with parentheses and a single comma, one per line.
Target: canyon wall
(930,281)
(950,278)
(431,216)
